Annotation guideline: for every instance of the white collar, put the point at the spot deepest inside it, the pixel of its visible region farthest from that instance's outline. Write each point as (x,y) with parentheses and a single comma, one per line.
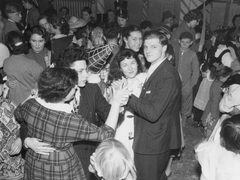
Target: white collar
(55,106)
(57,36)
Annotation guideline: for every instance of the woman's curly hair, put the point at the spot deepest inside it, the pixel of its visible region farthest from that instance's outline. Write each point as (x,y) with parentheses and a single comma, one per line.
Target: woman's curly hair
(115,68)
(54,84)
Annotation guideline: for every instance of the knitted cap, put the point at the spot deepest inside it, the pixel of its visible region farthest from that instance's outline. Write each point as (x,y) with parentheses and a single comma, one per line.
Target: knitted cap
(97,57)
(165,30)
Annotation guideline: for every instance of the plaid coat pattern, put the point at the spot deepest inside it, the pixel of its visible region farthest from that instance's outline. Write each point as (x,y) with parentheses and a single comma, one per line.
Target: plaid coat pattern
(59,129)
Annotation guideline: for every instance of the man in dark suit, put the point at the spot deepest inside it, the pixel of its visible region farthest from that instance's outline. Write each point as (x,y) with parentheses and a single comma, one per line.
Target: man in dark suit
(157,124)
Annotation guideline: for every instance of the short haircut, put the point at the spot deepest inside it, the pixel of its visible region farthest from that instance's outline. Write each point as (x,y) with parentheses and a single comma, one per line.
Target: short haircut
(87,9)
(54,84)
(41,31)
(16,42)
(12,8)
(71,55)
(156,34)
(65,8)
(114,160)
(186,35)
(194,14)
(60,23)
(145,24)
(126,32)
(230,134)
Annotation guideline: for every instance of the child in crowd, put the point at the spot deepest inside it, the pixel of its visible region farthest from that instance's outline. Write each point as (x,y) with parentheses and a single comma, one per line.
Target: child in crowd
(111,160)
(221,161)
(211,114)
(188,68)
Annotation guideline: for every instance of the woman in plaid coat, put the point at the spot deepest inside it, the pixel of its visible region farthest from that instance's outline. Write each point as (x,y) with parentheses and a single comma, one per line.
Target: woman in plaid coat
(49,119)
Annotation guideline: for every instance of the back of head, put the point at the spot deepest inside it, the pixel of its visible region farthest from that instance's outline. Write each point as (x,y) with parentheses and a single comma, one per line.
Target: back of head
(186,35)
(111,32)
(230,134)
(114,161)
(71,55)
(54,84)
(16,43)
(194,14)
(60,23)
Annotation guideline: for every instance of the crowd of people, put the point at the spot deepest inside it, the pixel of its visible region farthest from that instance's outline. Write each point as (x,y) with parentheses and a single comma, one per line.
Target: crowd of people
(82,99)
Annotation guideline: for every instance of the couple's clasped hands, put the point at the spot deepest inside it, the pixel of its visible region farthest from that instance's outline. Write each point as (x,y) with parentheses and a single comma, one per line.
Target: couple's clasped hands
(120,92)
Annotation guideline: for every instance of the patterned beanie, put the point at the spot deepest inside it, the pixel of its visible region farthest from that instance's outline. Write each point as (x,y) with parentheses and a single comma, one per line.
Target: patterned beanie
(97,57)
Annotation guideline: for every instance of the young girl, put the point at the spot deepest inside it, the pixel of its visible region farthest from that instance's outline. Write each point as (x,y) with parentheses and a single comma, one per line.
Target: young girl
(221,161)
(211,114)
(111,160)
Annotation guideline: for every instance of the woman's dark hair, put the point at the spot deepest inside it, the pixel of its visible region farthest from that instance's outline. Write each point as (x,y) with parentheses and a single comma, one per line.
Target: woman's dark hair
(111,32)
(230,134)
(126,32)
(60,23)
(218,71)
(221,38)
(16,42)
(12,8)
(87,9)
(194,14)
(54,84)
(66,9)
(115,72)
(71,55)
(234,18)
(41,31)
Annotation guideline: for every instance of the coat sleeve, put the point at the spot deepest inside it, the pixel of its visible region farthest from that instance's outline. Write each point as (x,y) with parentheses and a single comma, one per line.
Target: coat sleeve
(152,107)
(102,106)
(195,70)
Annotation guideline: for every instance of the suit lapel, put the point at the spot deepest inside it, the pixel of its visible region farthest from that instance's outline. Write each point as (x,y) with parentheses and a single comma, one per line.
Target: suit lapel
(155,73)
